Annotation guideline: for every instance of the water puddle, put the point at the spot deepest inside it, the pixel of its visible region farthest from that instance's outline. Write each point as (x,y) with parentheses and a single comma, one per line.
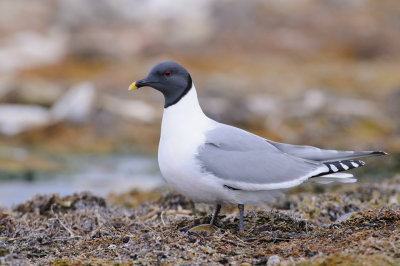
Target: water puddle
(100,175)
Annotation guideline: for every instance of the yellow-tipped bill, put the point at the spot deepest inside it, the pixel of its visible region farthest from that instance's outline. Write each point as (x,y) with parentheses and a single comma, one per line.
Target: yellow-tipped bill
(132,86)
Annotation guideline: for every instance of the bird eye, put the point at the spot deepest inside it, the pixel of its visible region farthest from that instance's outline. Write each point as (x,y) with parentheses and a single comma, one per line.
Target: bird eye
(167,73)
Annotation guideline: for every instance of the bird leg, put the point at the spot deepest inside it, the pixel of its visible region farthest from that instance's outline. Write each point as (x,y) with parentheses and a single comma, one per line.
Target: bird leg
(215,213)
(241,211)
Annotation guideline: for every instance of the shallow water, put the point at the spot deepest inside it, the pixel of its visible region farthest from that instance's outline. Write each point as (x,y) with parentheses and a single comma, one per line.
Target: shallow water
(100,175)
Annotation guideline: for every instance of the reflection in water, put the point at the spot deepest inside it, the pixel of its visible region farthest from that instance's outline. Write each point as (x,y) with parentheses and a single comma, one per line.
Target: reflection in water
(99,175)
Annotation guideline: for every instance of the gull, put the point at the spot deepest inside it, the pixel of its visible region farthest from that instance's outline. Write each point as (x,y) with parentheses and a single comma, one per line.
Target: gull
(215,163)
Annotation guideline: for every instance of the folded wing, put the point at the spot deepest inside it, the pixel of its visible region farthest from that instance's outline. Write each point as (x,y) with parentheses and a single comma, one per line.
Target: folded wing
(244,161)
(321,155)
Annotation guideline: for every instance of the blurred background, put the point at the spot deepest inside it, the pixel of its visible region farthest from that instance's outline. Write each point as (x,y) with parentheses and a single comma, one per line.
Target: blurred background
(323,73)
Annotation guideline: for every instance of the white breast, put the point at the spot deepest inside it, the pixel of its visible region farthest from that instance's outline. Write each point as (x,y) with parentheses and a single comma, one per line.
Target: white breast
(183,130)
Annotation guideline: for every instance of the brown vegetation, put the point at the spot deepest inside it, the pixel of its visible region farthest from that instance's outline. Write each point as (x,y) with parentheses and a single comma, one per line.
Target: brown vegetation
(345,225)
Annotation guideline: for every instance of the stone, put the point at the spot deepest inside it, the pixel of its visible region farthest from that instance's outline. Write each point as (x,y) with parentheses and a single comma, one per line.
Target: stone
(273,260)
(16,118)
(129,108)
(75,105)
(209,228)
(29,49)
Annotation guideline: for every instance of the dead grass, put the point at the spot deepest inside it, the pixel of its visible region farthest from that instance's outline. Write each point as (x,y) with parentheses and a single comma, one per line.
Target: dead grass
(85,229)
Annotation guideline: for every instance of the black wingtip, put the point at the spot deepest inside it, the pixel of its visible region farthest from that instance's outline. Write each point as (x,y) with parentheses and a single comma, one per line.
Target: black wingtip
(379,153)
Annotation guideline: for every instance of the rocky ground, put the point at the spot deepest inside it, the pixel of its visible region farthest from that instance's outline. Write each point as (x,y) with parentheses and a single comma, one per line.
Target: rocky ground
(319,225)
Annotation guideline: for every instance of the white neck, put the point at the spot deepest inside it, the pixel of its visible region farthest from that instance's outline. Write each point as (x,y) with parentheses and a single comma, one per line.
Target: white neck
(185,115)
(186,108)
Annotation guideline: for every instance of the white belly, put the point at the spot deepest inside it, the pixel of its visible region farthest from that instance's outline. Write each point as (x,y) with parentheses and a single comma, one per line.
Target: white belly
(182,132)
(178,166)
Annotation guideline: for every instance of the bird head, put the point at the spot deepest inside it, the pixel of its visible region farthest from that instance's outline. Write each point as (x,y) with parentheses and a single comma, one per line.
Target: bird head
(170,78)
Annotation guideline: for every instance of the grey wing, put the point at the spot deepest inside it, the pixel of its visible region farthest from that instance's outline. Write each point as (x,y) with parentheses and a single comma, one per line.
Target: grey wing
(321,155)
(248,162)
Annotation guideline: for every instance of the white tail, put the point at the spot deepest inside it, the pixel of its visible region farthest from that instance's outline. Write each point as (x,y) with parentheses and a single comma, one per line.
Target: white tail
(336,177)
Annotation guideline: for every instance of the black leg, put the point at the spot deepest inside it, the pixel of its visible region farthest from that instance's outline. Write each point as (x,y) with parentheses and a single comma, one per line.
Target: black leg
(215,213)
(241,212)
